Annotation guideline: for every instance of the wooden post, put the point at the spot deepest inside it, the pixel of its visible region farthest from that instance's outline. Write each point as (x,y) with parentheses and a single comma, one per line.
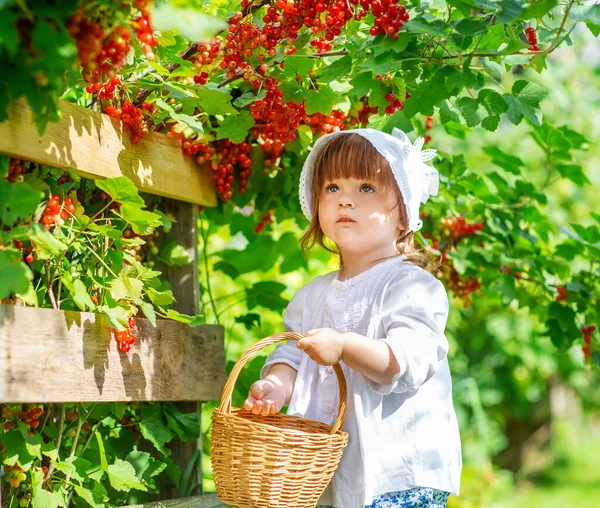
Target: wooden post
(186,289)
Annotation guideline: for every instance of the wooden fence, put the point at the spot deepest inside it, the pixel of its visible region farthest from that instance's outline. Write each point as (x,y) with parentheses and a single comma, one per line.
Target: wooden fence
(48,355)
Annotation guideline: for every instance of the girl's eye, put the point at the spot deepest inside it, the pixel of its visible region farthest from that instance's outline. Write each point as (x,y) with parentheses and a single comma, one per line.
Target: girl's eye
(331,187)
(367,188)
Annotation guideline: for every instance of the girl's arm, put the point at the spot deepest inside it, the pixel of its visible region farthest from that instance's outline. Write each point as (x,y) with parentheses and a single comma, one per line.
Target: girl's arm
(372,358)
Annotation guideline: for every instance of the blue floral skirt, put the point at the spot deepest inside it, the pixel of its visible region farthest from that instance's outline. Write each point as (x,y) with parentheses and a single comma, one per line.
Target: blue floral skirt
(419,497)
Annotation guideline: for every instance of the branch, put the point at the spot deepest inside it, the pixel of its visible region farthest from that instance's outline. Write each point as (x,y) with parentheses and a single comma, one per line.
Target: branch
(50,289)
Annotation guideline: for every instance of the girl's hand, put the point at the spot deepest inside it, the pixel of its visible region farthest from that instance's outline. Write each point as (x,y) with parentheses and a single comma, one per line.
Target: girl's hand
(267,397)
(323,345)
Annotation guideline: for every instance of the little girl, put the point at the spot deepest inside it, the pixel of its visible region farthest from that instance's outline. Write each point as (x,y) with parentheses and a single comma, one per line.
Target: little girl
(381,316)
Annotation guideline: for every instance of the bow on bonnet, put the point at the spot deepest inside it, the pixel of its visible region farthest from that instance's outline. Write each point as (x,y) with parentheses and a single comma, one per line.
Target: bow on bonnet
(422,179)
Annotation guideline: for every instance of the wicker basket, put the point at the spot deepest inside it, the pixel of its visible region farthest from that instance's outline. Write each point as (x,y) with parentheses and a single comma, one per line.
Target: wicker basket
(275,461)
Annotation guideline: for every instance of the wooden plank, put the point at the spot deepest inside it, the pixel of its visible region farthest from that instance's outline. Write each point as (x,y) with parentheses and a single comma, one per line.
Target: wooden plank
(96,146)
(205,501)
(61,356)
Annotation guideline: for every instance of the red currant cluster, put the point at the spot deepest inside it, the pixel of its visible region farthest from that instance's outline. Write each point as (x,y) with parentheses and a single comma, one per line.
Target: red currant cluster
(14,476)
(456,227)
(276,121)
(16,170)
(201,78)
(143,29)
(532,39)
(587,340)
(562,293)
(362,112)
(428,126)
(26,251)
(106,90)
(132,117)
(324,124)
(227,159)
(395,104)
(56,212)
(125,338)
(389,16)
(98,54)
(463,287)
(208,52)
(267,218)
(30,418)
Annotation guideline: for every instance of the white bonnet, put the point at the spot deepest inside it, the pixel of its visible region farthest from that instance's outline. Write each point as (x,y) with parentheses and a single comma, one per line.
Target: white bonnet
(416,180)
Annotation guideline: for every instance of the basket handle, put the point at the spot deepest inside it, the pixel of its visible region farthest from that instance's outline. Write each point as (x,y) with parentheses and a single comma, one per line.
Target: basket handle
(225,405)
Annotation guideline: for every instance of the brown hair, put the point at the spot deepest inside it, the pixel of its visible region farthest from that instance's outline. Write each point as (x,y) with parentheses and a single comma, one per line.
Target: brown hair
(352,156)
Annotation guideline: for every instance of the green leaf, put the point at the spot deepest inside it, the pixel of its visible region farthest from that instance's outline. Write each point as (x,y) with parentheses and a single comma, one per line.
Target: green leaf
(16,451)
(122,190)
(421,26)
(471,110)
(160,297)
(142,222)
(122,477)
(15,276)
(588,13)
(214,101)
(235,128)
(190,121)
(186,426)
(248,98)
(524,101)
(297,64)
(41,498)
(4,159)
(17,200)
(266,294)
(573,172)
(321,100)
(190,23)
(338,69)
(81,297)
(537,9)
(154,428)
(249,320)
(507,162)
(173,254)
(183,318)
(46,244)
(145,466)
(590,234)
(126,288)
(94,499)
(510,10)
(103,462)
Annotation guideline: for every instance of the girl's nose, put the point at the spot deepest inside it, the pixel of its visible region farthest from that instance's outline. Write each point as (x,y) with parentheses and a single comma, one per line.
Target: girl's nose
(345,202)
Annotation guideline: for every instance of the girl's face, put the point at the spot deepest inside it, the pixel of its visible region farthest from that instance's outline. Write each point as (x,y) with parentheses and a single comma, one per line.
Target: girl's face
(360,216)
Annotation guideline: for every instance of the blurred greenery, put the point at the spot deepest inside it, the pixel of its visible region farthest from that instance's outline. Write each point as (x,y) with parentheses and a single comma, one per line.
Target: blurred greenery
(502,369)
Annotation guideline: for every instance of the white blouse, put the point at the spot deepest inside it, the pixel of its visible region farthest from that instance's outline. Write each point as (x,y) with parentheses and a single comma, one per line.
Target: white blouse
(403,435)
